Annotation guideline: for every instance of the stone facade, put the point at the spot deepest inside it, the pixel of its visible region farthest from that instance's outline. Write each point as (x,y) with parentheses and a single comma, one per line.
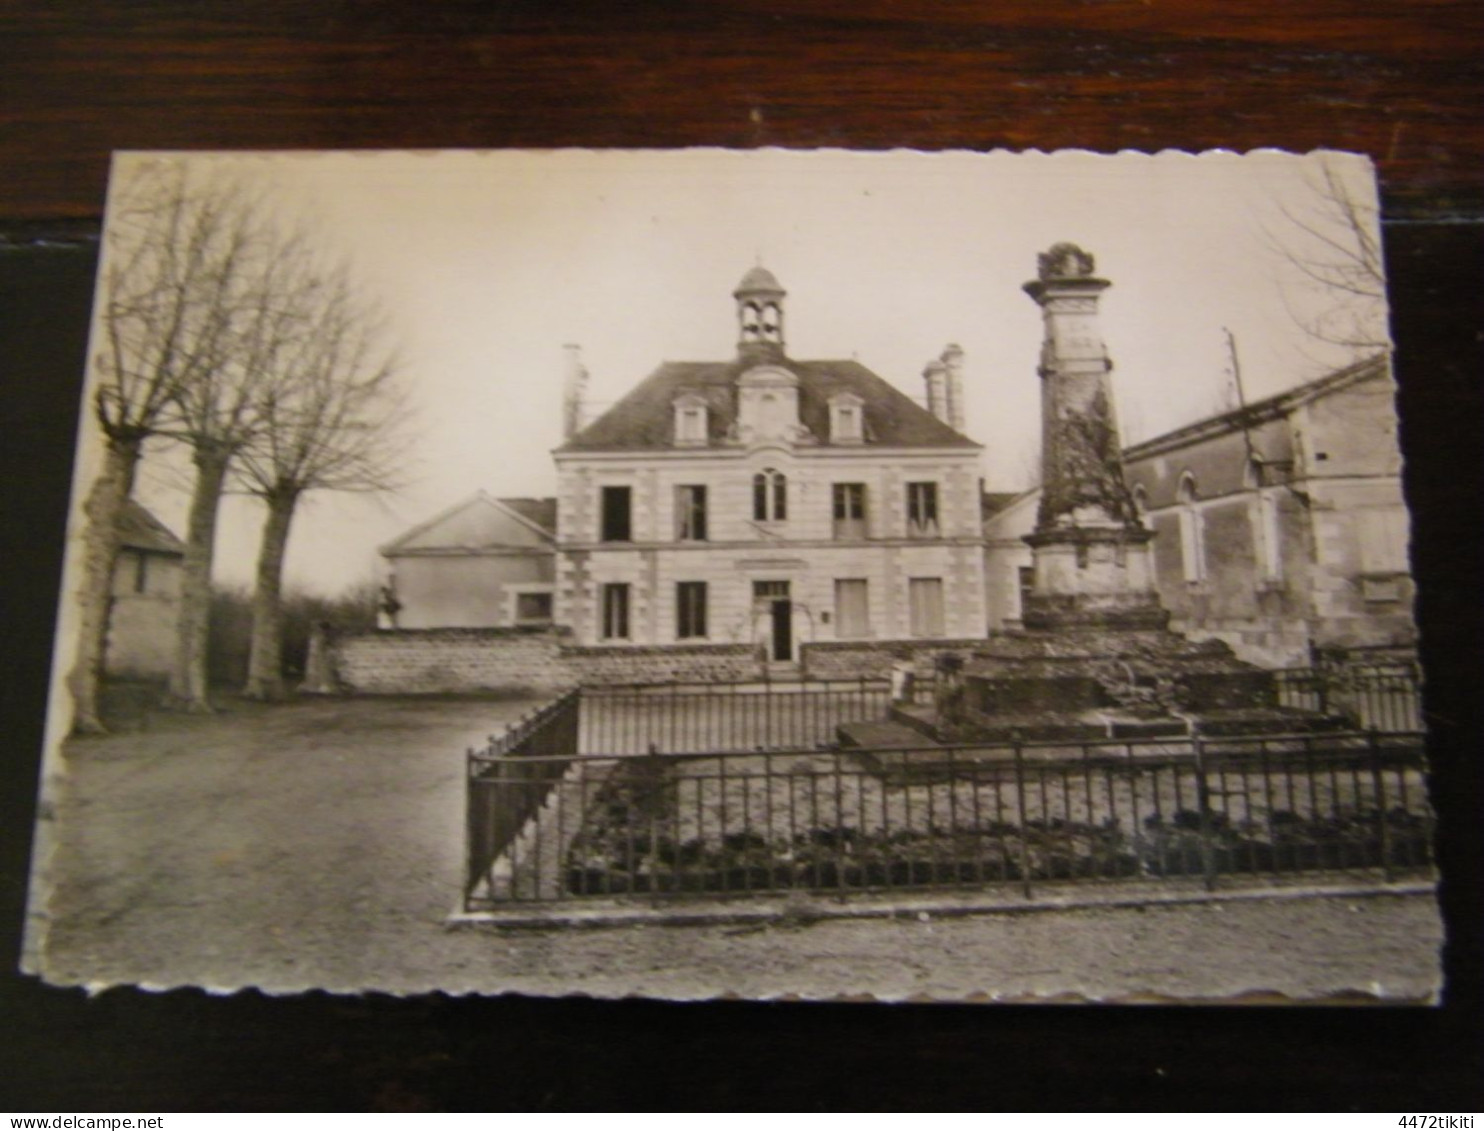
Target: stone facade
(770,503)
(1278,528)
(1283,526)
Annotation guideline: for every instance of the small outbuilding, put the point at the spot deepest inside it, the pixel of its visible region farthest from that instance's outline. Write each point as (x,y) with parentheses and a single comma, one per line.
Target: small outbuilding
(485,563)
(146,597)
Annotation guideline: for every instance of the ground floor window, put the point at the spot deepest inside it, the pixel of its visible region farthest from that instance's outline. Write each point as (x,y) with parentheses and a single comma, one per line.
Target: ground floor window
(925,605)
(690,610)
(532,608)
(852,609)
(615,612)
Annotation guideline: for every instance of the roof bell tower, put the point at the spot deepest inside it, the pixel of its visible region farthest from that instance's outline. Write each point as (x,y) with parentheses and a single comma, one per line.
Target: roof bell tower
(759,316)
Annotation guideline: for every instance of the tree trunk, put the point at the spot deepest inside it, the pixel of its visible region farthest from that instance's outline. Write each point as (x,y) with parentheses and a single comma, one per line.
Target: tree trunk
(265,659)
(188,683)
(103,509)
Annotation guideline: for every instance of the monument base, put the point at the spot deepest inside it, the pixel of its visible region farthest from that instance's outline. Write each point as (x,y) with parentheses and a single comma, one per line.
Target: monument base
(1089,686)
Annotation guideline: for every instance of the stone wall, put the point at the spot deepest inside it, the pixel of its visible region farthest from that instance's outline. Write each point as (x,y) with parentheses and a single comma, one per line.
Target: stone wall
(699,663)
(461,660)
(431,660)
(852,659)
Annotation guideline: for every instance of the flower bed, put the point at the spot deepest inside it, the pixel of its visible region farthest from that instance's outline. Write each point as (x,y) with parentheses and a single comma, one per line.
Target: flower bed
(818,821)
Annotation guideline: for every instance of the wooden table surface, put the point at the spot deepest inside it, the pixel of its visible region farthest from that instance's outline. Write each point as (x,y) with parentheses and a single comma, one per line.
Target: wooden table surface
(1398,79)
(1402,80)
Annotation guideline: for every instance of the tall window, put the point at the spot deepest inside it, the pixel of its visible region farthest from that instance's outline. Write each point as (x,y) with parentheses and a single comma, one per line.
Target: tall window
(922,510)
(617,506)
(690,513)
(690,610)
(850,511)
(925,605)
(852,609)
(141,573)
(1192,534)
(615,612)
(1270,545)
(769,496)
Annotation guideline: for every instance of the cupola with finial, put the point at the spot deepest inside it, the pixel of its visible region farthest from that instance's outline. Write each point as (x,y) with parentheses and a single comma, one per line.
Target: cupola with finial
(759,315)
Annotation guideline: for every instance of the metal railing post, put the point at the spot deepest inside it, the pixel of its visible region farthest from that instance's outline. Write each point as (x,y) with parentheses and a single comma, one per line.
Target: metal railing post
(1203,803)
(1383,830)
(1025,854)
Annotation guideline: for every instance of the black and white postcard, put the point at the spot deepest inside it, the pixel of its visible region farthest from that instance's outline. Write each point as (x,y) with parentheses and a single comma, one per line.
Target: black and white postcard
(905,576)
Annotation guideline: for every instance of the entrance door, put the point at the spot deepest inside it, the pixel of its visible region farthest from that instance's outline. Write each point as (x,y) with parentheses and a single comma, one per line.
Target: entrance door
(783,630)
(772,597)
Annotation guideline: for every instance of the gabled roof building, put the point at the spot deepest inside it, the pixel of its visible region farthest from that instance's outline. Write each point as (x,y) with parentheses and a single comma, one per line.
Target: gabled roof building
(145,597)
(484,563)
(770,502)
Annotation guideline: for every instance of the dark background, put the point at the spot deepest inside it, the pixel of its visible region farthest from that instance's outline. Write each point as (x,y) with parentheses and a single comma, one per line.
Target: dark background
(1402,80)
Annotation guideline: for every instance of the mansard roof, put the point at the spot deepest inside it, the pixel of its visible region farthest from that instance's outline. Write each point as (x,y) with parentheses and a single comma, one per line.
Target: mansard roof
(643,419)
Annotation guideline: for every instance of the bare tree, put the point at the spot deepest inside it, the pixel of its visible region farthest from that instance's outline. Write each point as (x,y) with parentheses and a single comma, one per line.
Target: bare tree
(171,246)
(1331,243)
(333,419)
(266,303)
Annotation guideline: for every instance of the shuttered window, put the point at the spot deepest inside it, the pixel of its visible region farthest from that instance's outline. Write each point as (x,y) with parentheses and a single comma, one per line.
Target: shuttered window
(925,605)
(615,612)
(852,609)
(690,610)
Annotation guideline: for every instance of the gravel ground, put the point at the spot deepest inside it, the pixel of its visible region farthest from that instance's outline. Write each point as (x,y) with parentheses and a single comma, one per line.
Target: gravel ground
(318,844)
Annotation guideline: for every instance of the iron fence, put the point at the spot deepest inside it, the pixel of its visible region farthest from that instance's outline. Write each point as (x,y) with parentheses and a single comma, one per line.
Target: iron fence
(707,717)
(511,779)
(1382,696)
(837,821)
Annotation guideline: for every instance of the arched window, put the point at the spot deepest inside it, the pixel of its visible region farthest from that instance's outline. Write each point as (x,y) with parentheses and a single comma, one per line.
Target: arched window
(1192,533)
(770,323)
(751,322)
(769,496)
(1267,545)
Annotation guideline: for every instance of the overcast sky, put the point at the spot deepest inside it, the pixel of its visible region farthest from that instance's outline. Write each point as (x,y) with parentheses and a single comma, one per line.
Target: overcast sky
(487,263)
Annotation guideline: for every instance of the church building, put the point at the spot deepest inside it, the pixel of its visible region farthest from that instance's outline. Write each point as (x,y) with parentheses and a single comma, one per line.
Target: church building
(771,502)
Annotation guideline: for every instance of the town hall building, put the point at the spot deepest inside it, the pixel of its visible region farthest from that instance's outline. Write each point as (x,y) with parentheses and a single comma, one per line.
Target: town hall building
(771,502)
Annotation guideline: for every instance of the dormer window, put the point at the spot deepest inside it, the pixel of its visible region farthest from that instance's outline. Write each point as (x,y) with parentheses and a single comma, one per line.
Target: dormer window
(846,419)
(690,421)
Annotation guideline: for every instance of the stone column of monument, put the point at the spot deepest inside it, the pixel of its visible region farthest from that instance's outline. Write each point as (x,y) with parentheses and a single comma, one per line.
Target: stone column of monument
(1091,553)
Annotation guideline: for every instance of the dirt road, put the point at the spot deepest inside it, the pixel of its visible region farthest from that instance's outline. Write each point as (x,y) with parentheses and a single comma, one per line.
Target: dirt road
(318,844)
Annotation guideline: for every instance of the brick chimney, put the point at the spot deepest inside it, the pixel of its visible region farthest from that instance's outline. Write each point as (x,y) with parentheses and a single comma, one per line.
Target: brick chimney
(935,377)
(953,365)
(574,388)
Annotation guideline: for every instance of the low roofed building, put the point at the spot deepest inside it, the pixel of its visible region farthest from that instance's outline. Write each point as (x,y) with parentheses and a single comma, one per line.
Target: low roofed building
(145,597)
(484,563)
